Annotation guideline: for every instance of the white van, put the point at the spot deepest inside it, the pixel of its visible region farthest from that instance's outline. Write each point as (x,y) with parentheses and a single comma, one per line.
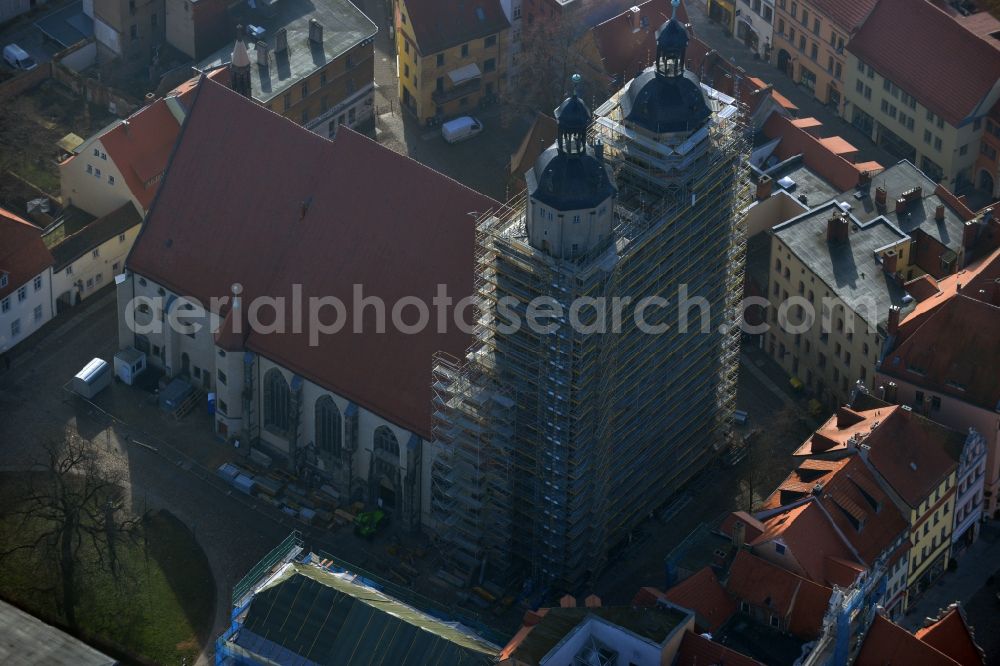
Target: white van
(461,129)
(18,58)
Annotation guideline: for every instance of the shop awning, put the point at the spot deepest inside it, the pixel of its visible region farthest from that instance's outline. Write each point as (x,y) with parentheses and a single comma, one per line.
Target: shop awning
(463,74)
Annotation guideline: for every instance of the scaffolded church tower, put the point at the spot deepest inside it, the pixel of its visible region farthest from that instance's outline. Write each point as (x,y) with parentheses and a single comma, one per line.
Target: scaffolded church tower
(555,445)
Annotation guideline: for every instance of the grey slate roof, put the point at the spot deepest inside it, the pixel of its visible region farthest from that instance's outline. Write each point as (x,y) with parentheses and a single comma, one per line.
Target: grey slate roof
(344,26)
(848,268)
(307,615)
(27,641)
(897,179)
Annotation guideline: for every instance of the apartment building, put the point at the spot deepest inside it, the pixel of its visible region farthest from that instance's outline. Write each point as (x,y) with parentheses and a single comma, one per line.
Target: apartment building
(843,264)
(755,26)
(25,280)
(131,31)
(315,67)
(915,462)
(938,364)
(449,58)
(809,42)
(926,105)
(986,172)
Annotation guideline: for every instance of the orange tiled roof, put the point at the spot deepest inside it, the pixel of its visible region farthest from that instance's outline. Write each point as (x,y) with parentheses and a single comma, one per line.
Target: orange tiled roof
(888,643)
(816,154)
(327,191)
(923,51)
(912,453)
(808,534)
(979,276)
(703,594)
(952,635)
(784,593)
(23,255)
(140,147)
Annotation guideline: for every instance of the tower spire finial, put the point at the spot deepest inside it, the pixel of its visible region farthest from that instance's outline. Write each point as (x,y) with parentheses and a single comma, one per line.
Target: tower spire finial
(674,4)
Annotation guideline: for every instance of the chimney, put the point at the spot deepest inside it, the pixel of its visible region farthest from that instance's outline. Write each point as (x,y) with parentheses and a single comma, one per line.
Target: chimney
(764,187)
(893,324)
(593,601)
(281,41)
(315,32)
(939,213)
(880,197)
(889,261)
(837,228)
(739,533)
(262,53)
(901,204)
(568,601)
(818,490)
(969,233)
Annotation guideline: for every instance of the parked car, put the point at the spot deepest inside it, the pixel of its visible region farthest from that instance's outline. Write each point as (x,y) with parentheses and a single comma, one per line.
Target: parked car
(461,129)
(18,58)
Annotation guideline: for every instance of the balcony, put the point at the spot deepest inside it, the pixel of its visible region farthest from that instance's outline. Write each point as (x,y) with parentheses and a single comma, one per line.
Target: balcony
(467,88)
(464,81)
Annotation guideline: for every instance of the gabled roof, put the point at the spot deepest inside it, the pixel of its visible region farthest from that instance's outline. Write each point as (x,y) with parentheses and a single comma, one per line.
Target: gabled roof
(305,614)
(952,635)
(140,146)
(847,14)
(888,643)
(912,453)
(953,351)
(23,254)
(441,25)
(863,513)
(702,594)
(808,534)
(977,280)
(766,585)
(698,650)
(303,210)
(97,232)
(626,43)
(932,57)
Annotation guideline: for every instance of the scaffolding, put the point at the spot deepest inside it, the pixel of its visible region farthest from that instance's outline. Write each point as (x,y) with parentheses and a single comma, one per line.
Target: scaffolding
(556,445)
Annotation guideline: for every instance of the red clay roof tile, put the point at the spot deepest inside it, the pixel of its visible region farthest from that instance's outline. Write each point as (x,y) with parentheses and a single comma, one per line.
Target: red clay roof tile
(951,635)
(697,650)
(225,215)
(23,254)
(703,594)
(929,55)
(888,643)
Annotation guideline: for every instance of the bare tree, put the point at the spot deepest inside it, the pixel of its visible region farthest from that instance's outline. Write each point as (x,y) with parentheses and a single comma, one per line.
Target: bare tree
(549,56)
(73,520)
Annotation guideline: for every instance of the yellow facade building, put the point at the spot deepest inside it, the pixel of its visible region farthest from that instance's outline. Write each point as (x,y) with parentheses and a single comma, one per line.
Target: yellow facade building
(450,59)
(809,39)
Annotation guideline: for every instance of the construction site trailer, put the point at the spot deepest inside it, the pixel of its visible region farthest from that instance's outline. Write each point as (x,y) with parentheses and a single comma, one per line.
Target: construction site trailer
(93,379)
(129,364)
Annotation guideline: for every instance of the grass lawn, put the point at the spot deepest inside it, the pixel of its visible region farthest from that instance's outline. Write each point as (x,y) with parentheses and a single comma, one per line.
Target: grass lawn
(163,614)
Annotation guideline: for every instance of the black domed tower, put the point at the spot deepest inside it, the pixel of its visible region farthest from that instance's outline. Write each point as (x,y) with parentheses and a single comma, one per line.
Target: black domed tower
(666,97)
(569,188)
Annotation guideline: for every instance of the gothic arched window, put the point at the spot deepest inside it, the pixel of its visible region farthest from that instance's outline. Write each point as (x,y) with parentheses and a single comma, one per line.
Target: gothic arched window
(328,426)
(277,401)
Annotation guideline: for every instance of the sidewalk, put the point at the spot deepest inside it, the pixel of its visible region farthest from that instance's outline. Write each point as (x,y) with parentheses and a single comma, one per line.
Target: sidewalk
(734,51)
(978,563)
